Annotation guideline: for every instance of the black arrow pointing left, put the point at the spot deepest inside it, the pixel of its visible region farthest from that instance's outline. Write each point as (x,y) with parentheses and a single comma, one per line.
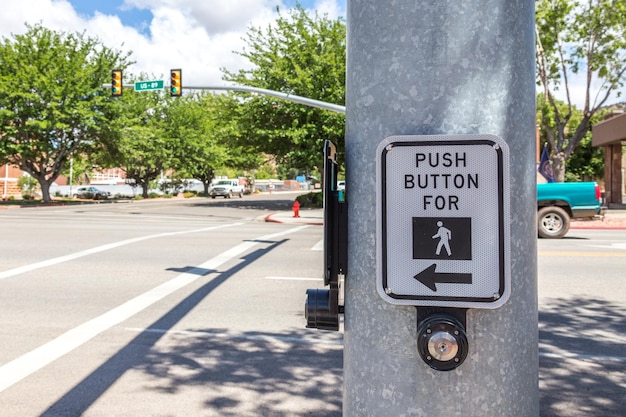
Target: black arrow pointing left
(430,278)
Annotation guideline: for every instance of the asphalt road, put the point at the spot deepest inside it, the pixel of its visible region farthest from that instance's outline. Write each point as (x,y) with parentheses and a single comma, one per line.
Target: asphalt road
(582,324)
(195,308)
(176,308)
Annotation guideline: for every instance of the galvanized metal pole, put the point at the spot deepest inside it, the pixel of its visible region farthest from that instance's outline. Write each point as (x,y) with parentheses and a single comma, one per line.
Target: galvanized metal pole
(440,67)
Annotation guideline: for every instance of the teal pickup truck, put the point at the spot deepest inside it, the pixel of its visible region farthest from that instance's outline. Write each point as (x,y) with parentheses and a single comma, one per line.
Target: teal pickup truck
(558,202)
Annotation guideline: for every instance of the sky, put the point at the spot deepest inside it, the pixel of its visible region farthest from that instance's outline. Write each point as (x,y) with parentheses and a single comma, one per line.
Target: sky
(198,36)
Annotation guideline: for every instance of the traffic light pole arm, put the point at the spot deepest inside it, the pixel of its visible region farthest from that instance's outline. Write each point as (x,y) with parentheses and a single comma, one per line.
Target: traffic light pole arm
(246,89)
(290,97)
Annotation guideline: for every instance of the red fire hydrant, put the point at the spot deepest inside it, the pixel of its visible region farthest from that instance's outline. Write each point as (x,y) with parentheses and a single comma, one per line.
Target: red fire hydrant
(296,209)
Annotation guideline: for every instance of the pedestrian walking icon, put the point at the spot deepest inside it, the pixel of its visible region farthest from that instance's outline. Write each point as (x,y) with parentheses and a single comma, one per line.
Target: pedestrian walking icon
(442,238)
(444,235)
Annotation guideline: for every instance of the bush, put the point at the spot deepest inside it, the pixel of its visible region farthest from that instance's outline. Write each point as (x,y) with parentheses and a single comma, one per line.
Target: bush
(28,185)
(311,200)
(189,194)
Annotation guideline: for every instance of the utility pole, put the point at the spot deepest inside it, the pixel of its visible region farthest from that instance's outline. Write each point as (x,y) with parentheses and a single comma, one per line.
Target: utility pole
(461,72)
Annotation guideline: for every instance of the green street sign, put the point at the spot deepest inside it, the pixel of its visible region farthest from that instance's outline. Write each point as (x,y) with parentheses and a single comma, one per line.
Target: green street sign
(149,85)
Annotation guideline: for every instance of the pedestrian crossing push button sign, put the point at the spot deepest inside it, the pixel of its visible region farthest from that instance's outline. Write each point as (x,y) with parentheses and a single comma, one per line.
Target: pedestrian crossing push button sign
(443,221)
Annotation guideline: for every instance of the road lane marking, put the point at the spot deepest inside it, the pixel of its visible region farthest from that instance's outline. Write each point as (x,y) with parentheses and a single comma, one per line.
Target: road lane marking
(582,254)
(29,363)
(620,245)
(319,246)
(294,278)
(97,249)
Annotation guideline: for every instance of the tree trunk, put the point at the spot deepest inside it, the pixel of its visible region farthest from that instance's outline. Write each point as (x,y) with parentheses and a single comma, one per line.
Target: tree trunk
(45,184)
(144,189)
(558,167)
(45,193)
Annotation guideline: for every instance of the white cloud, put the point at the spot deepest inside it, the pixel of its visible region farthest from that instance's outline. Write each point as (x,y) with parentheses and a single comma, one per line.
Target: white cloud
(215,16)
(195,35)
(578,89)
(198,36)
(58,14)
(330,8)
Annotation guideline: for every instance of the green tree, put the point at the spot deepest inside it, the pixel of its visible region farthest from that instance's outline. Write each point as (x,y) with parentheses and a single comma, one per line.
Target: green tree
(51,99)
(299,54)
(143,148)
(193,123)
(574,37)
(586,161)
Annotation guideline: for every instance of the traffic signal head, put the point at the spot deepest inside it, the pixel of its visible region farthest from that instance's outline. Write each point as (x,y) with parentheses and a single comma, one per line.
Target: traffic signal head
(116,83)
(176,83)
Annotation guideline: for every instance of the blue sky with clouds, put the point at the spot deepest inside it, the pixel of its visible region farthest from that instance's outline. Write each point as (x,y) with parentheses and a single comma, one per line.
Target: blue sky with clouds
(138,16)
(130,16)
(199,36)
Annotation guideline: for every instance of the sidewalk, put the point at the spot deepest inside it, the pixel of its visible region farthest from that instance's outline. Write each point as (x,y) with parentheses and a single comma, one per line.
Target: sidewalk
(613,219)
(313,217)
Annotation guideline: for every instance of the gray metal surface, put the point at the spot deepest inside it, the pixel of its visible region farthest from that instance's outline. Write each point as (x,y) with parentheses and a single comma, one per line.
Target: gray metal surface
(423,67)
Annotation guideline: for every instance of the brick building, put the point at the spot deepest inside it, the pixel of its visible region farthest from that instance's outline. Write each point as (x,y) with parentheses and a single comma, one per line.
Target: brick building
(611,135)
(9,176)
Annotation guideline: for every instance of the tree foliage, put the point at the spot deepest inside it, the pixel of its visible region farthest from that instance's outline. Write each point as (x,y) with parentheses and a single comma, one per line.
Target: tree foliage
(300,54)
(202,129)
(51,99)
(142,148)
(587,161)
(577,37)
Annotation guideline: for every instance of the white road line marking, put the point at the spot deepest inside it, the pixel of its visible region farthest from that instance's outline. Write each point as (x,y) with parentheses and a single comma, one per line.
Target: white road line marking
(618,245)
(70,257)
(21,367)
(319,246)
(294,278)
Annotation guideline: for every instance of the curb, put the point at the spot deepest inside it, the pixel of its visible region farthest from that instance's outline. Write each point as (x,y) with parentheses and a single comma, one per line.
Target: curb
(576,227)
(269,218)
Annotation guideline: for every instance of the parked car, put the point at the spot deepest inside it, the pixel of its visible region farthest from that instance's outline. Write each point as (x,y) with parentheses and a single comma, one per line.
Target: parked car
(226,188)
(558,202)
(91,193)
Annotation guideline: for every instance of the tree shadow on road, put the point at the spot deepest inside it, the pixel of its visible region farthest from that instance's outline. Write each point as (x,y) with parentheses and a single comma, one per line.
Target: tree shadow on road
(277,371)
(247,204)
(582,358)
(251,373)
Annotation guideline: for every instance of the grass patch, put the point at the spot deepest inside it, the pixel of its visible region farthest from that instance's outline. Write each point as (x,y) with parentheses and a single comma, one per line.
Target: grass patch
(35,202)
(311,200)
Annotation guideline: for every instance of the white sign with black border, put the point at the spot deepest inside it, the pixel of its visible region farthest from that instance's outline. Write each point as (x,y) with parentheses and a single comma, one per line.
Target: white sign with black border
(443,221)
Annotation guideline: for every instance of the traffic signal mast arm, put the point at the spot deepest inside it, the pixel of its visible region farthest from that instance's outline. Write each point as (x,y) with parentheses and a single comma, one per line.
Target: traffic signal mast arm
(286,96)
(246,89)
